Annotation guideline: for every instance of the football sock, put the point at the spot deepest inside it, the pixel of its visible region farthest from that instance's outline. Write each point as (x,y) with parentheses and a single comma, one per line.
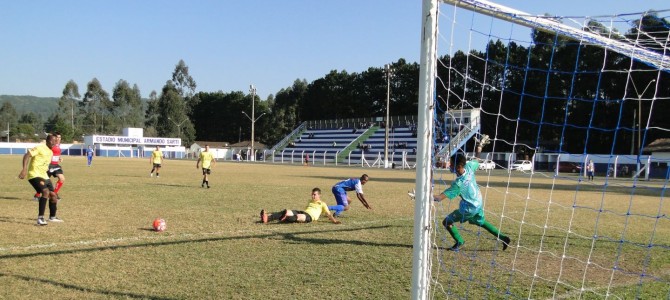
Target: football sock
(337,208)
(291,219)
(492,229)
(52,209)
(455,234)
(275,216)
(42,206)
(58,186)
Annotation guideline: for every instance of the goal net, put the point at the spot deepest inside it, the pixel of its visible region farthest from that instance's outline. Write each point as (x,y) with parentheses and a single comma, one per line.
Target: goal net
(570,113)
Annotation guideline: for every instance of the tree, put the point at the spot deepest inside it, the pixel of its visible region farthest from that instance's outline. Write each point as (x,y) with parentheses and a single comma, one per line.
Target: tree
(151,115)
(184,84)
(66,110)
(127,105)
(8,117)
(96,104)
(175,105)
(172,120)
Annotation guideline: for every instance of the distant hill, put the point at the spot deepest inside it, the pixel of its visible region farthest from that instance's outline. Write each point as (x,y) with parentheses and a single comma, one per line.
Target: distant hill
(42,106)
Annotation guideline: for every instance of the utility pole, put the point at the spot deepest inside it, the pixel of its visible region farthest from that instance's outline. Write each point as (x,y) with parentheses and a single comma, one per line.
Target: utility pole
(253,119)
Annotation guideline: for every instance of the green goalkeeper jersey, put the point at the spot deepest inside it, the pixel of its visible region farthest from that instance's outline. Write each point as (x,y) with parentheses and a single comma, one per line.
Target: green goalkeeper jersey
(466,186)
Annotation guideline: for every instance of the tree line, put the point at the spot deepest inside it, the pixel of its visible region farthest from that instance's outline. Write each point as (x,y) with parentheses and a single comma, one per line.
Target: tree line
(556,94)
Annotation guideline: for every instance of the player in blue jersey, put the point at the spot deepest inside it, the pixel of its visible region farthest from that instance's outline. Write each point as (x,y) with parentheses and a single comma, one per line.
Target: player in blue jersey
(340,190)
(470,209)
(89,156)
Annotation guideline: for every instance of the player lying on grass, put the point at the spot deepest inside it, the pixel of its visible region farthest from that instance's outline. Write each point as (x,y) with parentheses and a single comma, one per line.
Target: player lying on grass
(470,209)
(315,208)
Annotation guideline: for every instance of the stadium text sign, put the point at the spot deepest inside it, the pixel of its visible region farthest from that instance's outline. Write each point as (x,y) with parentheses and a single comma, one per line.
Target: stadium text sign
(106,139)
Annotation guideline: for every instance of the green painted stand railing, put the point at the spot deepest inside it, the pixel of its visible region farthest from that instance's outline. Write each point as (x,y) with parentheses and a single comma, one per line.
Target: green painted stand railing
(361,139)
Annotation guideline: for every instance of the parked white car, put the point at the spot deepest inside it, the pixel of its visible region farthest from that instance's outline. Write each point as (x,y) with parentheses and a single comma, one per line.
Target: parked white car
(522,165)
(486,165)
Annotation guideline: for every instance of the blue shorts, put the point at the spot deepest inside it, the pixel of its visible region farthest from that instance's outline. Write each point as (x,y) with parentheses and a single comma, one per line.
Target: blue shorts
(340,196)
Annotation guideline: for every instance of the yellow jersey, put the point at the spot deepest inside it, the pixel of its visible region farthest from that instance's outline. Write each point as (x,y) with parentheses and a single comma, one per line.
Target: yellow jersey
(315,209)
(40,160)
(206,158)
(157,156)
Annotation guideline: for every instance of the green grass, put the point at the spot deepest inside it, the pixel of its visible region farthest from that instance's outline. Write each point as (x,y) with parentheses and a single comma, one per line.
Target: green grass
(214,247)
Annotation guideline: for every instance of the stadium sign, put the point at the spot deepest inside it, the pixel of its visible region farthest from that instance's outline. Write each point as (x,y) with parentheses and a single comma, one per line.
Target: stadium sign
(107,139)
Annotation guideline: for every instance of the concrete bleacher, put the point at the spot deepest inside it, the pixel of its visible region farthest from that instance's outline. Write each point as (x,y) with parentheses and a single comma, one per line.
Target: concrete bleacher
(324,145)
(402,139)
(319,144)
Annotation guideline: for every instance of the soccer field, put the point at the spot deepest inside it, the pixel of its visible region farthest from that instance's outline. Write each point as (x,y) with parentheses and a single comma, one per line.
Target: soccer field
(215,248)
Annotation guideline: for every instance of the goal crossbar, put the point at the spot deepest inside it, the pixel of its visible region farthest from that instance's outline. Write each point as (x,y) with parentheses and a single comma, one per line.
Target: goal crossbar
(658,60)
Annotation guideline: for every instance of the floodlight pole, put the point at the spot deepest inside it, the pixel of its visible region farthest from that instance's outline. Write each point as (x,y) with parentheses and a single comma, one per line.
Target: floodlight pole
(252,89)
(388,100)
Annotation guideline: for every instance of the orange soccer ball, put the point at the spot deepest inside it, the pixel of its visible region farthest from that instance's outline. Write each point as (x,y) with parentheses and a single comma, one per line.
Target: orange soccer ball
(159,224)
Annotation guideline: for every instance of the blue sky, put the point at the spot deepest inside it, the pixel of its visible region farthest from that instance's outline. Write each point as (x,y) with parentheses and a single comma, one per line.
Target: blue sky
(227,45)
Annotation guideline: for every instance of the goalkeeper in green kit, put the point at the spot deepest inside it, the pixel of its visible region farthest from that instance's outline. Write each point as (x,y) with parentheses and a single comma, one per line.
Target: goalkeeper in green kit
(470,209)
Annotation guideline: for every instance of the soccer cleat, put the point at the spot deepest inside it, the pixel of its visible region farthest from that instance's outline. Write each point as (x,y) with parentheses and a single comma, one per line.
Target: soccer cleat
(151,174)
(41,222)
(506,240)
(202,185)
(158,176)
(411,195)
(264,216)
(55,219)
(208,186)
(456,247)
(36,198)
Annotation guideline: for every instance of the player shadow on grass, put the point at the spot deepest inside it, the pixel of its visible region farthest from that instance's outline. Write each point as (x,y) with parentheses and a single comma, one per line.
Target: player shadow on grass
(12,220)
(29,279)
(11,198)
(175,185)
(294,237)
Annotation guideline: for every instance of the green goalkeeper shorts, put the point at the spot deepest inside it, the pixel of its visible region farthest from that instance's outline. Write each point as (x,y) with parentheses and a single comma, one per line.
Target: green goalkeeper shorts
(457,216)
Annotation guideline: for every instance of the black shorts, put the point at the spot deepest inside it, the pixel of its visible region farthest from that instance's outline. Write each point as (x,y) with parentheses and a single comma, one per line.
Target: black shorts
(157,165)
(206,171)
(39,184)
(54,170)
(308,218)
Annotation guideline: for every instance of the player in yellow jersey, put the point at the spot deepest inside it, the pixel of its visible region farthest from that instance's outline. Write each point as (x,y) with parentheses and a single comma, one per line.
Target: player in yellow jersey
(208,161)
(156,160)
(315,208)
(35,165)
